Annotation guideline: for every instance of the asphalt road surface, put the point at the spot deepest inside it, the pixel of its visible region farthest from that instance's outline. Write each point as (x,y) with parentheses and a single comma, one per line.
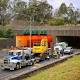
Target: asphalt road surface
(3,53)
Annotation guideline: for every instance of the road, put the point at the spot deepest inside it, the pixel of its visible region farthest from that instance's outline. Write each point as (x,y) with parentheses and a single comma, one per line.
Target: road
(3,53)
(7,74)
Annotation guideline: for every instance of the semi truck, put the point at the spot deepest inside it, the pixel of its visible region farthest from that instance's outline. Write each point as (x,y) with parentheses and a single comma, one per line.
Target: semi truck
(41,50)
(17,58)
(41,45)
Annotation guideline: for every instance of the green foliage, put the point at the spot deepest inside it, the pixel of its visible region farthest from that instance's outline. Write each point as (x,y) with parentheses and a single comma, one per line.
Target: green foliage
(42,32)
(63,9)
(72,17)
(20,8)
(9,33)
(38,11)
(44,13)
(56,22)
(3,4)
(67,13)
(35,32)
(4,16)
(26,32)
(1,33)
(6,33)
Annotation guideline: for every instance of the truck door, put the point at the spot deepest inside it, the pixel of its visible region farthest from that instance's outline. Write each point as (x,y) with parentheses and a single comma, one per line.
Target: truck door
(27,58)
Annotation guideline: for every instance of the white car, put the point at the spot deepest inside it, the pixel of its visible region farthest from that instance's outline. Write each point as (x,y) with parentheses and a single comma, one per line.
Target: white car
(68,50)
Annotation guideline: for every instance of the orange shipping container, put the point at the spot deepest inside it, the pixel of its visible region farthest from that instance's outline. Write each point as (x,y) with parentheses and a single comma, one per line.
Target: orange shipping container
(24,40)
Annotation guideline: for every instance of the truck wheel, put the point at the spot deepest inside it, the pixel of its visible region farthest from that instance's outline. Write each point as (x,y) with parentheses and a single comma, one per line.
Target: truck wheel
(37,61)
(18,66)
(58,56)
(31,63)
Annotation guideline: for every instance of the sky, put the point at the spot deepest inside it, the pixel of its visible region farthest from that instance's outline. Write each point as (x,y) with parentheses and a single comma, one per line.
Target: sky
(56,3)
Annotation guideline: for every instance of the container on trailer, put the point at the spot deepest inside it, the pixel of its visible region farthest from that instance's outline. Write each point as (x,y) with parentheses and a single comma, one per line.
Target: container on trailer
(24,40)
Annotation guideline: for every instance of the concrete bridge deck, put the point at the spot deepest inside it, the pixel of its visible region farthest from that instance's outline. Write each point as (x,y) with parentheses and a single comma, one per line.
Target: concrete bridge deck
(73,30)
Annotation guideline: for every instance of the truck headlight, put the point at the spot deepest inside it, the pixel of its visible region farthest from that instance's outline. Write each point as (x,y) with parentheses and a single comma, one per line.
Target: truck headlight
(12,63)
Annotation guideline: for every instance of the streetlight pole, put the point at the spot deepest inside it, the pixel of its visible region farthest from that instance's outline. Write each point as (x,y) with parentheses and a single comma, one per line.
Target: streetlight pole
(30,33)
(31,20)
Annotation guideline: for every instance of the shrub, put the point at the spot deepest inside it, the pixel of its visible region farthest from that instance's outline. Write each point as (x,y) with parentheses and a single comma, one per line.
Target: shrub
(9,33)
(56,22)
(1,33)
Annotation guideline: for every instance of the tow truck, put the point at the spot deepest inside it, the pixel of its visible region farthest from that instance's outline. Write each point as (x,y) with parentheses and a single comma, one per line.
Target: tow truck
(60,47)
(41,50)
(17,58)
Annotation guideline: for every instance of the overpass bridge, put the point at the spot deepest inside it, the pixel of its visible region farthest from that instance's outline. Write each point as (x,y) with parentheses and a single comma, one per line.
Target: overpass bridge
(66,31)
(61,30)
(57,30)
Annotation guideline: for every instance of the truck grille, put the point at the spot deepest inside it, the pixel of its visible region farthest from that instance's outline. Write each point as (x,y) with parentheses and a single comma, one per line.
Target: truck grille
(5,61)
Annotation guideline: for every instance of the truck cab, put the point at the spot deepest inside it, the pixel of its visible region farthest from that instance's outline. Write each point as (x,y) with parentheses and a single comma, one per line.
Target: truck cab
(17,59)
(40,47)
(60,47)
(40,50)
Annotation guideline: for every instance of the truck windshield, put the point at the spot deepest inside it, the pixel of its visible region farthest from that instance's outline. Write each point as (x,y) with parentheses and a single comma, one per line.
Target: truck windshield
(58,45)
(37,44)
(14,53)
(18,53)
(10,53)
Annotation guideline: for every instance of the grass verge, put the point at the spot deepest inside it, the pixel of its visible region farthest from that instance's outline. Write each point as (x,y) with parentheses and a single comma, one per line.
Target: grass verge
(68,70)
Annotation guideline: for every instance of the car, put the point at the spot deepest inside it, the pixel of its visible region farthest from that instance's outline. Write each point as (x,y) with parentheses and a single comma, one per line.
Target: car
(68,50)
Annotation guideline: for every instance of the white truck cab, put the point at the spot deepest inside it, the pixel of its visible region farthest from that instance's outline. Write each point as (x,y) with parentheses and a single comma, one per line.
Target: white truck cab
(60,46)
(17,59)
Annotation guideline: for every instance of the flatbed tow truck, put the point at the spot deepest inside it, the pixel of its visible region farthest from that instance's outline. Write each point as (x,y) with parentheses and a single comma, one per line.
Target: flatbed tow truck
(17,58)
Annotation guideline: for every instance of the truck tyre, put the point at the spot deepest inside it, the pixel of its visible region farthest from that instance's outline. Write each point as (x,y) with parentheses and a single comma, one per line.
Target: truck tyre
(37,61)
(62,53)
(58,56)
(18,66)
(30,63)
